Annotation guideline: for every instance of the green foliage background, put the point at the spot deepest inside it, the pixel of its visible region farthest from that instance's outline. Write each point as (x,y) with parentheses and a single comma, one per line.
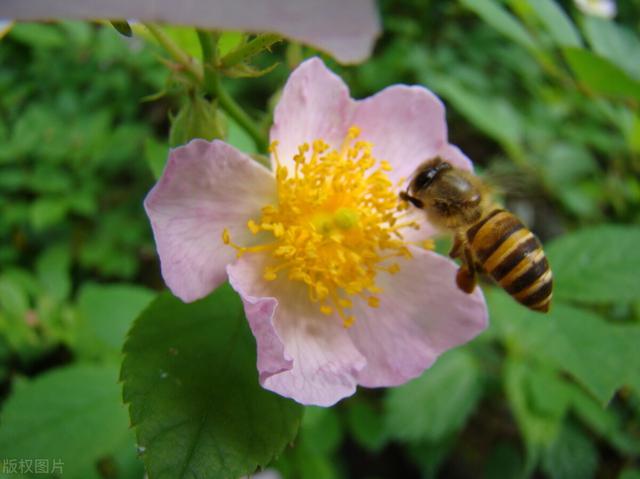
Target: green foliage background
(536,92)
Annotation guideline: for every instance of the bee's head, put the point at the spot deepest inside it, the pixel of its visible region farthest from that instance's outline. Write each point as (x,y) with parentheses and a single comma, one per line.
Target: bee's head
(422,179)
(450,197)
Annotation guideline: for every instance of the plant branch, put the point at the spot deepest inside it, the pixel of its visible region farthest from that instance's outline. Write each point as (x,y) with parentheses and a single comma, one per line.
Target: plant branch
(190,66)
(249,49)
(236,112)
(213,86)
(209,46)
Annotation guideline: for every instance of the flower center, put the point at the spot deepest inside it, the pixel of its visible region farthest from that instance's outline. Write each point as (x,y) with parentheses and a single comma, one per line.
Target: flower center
(336,224)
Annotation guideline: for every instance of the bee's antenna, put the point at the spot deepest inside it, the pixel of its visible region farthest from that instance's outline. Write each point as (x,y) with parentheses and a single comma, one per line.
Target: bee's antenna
(404,196)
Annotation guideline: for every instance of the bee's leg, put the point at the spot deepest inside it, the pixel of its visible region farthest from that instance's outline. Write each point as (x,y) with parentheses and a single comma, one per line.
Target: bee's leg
(466,276)
(457,248)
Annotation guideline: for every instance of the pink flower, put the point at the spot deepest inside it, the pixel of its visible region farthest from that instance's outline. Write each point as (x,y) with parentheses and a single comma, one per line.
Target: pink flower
(336,288)
(346,29)
(598,8)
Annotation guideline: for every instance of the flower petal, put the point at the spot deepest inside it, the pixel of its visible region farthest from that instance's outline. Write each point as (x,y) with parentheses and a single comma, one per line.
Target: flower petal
(204,188)
(301,353)
(5,27)
(260,312)
(346,30)
(454,155)
(406,125)
(315,104)
(598,8)
(421,315)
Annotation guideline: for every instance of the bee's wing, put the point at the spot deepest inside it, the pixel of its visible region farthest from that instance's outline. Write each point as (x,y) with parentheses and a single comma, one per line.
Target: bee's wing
(506,181)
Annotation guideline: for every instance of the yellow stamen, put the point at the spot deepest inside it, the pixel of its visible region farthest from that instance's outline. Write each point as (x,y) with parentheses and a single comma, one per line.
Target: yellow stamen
(328,310)
(335,224)
(428,244)
(253,227)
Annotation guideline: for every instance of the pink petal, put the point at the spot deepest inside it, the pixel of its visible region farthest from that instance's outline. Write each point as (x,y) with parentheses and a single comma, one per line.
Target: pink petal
(421,315)
(5,27)
(302,354)
(426,230)
(345,29)
(204,188)
(454,155)
(599,8)
(406,125)
(315,104)
(260,312)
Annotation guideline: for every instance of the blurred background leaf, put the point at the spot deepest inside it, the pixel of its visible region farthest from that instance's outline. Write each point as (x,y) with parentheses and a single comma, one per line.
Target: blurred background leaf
(72,417)
(437,404)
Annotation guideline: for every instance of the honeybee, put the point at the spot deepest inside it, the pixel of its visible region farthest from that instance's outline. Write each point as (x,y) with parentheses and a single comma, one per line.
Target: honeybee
(486,238)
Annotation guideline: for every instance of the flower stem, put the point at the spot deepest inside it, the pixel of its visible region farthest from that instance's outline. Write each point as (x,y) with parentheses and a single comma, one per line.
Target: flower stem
(209,46)
(191,67)
(213,86)
(249,49)
(208,77)
(236,112)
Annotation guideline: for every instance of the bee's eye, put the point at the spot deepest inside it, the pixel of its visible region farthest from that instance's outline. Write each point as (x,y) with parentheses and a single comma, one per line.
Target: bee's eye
(424,179)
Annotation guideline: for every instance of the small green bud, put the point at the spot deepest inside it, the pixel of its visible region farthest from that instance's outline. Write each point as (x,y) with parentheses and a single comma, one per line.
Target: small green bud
(123,27)
(198,118)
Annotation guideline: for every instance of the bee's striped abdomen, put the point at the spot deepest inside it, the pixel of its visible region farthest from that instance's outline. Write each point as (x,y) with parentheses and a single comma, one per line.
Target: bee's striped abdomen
(513,256)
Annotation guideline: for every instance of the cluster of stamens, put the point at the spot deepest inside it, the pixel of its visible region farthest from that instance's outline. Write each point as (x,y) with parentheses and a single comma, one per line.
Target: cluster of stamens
(336,224)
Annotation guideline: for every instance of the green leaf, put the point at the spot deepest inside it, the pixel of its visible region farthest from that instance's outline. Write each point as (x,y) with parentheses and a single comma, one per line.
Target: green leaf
(633,134)
(321,429)
(549,395)
(123,27)
(539,429)
(304,462)
(608,423)
(53,269)
(74,415)
(615,42)
(565,163)
(246,70)
(571,455)
(228,41)
(109,312)
(13,298)
(366,425)
(37,35)
(185,37)
(429,457)
(500,19)
(192,386)
(238,137)
(597,265)
(630,474)
(46,212)
(494,116)
(601,76)
(556,22)
(504,462)
(156,154)
(438,403)
(572,339)
(245,51)
(629,338)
